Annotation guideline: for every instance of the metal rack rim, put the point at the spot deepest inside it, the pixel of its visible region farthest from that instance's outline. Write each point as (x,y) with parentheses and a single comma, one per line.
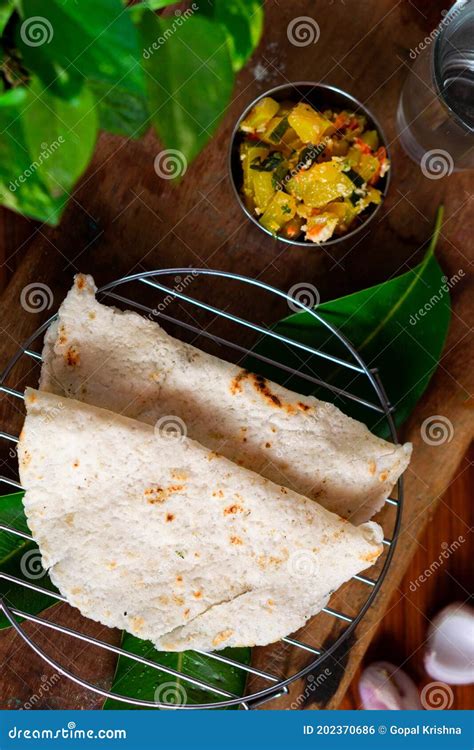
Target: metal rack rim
(282,686)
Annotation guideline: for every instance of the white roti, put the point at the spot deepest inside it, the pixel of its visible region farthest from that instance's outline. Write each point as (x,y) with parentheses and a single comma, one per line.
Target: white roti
(170,541)
(128,364)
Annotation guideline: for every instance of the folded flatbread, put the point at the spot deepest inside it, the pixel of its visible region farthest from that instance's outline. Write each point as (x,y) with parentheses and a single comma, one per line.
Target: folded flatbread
(126,363)
(159,536)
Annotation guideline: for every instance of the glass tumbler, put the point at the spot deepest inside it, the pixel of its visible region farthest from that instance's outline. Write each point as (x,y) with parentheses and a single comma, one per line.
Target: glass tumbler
(435,117)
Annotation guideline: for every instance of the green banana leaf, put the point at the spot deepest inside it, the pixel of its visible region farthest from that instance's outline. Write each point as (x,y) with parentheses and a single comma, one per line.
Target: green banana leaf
(399,327)
(20,558)
(138,681)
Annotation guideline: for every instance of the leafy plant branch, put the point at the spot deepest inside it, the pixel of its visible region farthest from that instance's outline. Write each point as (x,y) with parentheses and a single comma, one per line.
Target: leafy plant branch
(69,69)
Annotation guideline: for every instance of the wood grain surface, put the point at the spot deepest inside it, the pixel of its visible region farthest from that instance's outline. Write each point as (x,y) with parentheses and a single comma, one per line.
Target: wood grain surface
(122,218)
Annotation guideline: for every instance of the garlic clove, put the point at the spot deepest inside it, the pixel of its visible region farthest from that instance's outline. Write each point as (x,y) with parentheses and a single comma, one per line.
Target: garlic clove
(449,655)
(383,686)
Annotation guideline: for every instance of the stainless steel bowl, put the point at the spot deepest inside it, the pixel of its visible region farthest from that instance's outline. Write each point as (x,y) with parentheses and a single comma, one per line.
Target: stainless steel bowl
(320,96)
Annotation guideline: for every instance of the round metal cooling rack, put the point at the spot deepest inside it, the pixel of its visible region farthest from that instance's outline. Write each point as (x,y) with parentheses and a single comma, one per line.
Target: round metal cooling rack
(275,686)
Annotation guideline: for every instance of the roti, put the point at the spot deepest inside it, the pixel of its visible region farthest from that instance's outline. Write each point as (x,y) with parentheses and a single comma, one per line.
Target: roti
(126,363)
(166,539)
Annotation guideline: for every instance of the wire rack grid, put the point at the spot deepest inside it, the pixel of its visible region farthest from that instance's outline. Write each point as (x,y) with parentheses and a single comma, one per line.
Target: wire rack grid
(275,685)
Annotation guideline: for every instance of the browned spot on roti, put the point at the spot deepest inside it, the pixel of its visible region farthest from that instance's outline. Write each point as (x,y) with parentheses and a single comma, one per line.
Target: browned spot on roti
(170,517)
(372,467)
(236,540)
(25,459)
(383,476)
(82,284)
(218,493)
(62,338)
(178,600)
(71,357)
(224,635)
(31,398)
(268,445)
(267,561)
(371,556)
(232,509)
(235,384)
(76,463)
(157,494)
(69,518)
(283,490)
(91,315)
(186,612)
(137,624)
(197,594)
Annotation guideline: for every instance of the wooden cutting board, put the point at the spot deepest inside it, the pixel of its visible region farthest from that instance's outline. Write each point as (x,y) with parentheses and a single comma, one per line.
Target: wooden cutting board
(123,219)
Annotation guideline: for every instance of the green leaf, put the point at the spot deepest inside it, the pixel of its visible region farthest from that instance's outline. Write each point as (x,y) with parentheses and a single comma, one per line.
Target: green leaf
(91,41)
(6,9)
(152,5)
(21,188)
(47,142)
(60,134)
(20,558)
(385,325)
(243,24)
(138,681)
(190,78)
